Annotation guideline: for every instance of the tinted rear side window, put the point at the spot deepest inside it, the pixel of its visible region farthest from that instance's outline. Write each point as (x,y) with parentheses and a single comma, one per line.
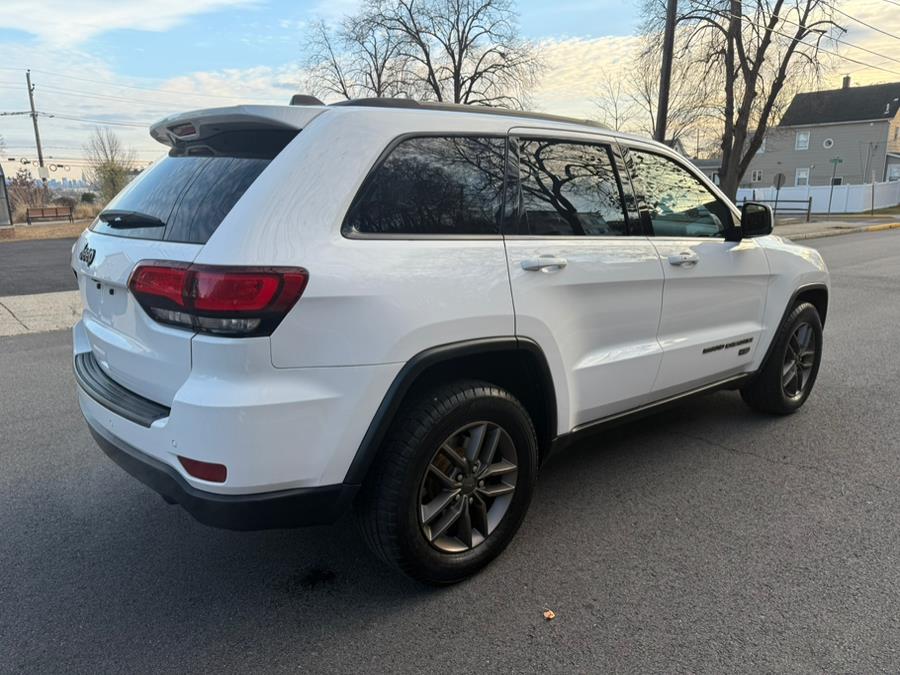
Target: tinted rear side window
(445,185)
(567,188)
(192,189)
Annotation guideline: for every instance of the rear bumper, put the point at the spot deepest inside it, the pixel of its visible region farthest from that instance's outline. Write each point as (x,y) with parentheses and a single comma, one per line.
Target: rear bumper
(267,510)
(275,429)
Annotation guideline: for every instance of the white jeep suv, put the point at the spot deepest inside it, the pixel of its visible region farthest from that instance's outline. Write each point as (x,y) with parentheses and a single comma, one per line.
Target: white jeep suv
(404,308)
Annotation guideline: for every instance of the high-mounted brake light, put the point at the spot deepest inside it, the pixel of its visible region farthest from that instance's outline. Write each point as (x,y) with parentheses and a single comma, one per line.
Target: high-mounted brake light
(183,130)
(228,301)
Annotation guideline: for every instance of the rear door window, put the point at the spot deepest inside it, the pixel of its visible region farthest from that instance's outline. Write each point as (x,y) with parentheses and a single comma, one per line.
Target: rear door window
(567,188)
(187,194)
(435,185)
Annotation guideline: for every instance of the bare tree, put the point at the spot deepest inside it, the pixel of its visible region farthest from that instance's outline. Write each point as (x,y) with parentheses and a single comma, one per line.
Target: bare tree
(615,103)
(458,51)
(462,51)
(628,100)
(24,191)
(357,59)
(752,49)
(110,164)
(692,97)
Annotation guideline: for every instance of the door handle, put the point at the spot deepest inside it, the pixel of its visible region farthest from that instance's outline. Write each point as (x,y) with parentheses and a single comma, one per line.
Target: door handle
(544,262)
(684,259)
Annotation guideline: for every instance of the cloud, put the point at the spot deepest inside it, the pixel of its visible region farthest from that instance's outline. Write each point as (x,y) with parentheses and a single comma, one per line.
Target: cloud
(66,23)
(574,69)
(570,83)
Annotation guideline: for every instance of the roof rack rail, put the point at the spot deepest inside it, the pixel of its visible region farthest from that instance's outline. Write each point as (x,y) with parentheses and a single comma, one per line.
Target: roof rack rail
(305,99)
(461,107)
(383,102)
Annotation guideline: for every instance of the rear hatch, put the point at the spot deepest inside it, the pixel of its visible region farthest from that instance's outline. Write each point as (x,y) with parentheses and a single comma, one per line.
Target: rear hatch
(167,214)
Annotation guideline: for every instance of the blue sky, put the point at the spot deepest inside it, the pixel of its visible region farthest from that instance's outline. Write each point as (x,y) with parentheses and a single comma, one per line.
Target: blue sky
(247,34)
(128,64)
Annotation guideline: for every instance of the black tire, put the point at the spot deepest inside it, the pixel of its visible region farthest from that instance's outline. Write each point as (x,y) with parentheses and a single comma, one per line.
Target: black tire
(767,392)
(389,506)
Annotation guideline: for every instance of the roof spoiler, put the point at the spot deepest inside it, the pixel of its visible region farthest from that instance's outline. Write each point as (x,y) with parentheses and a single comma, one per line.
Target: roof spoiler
(199,124)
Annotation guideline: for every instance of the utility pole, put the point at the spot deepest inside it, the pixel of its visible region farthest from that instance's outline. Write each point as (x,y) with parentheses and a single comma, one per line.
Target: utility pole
(665,75)
(37,133)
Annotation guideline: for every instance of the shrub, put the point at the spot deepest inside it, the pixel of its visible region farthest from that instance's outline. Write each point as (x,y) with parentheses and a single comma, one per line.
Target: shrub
(65,200)
(86,211)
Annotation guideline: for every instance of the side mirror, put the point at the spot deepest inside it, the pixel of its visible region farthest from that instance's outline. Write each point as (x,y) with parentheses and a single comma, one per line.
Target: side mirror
(757,219)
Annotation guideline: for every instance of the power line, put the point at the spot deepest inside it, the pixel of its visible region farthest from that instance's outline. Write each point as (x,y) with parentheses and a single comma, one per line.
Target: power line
(867,25)
(892,2)
(823,49)
(72,118)
(856,70)
(837,39)
(77,147)
(74,93)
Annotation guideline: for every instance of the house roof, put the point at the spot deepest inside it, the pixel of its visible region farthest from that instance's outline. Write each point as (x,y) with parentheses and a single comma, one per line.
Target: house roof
(851,104)
(710,163)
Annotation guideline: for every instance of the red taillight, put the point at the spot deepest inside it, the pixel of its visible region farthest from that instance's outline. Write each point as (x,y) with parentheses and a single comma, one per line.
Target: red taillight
(215,473)
(229,292)
(162,282)
(233,301)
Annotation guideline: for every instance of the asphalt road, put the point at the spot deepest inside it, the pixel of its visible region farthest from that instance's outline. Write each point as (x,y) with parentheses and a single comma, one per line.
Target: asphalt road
(708,539)
(39,266)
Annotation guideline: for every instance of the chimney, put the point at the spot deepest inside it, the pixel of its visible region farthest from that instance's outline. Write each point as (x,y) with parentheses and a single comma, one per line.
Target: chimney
(846,82)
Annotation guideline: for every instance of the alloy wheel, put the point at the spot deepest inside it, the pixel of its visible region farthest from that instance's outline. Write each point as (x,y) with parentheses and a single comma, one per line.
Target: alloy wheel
(799,359)
(468,487)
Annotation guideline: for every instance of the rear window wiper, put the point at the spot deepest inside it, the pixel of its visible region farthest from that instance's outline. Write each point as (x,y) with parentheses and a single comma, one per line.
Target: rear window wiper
(115,218)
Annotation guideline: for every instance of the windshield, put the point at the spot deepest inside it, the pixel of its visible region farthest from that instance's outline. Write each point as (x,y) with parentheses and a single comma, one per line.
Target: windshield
(186,195)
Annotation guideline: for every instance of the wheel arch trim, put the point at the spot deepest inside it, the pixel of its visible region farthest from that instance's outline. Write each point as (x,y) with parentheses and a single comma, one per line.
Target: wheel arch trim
(801,290)
(417,366)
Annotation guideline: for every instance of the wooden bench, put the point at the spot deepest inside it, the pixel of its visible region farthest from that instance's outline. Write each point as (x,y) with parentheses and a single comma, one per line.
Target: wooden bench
(33,213)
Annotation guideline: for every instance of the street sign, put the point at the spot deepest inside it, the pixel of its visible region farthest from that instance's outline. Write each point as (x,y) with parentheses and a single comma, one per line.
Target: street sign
(779,180)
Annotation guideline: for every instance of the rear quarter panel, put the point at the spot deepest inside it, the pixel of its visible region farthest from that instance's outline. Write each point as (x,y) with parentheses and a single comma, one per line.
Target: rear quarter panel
(368,301)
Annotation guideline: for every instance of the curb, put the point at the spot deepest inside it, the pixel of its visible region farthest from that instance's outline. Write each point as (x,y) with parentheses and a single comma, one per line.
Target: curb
(821,235)
(881,227)
(835,232)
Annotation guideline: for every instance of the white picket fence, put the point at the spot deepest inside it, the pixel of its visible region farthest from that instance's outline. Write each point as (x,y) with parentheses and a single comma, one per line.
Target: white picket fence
(846,198)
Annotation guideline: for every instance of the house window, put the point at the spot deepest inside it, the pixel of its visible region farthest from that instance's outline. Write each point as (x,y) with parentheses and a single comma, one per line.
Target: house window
(802,176)
(897,133)
(801,140)
(837,180)
(756,176)
(893,172)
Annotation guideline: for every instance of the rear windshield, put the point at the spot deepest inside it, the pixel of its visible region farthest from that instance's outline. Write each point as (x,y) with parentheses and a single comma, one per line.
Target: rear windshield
(186,195)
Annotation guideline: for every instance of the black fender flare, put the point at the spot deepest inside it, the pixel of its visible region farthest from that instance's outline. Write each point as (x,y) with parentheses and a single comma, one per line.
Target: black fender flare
(416,366)
(787,310)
